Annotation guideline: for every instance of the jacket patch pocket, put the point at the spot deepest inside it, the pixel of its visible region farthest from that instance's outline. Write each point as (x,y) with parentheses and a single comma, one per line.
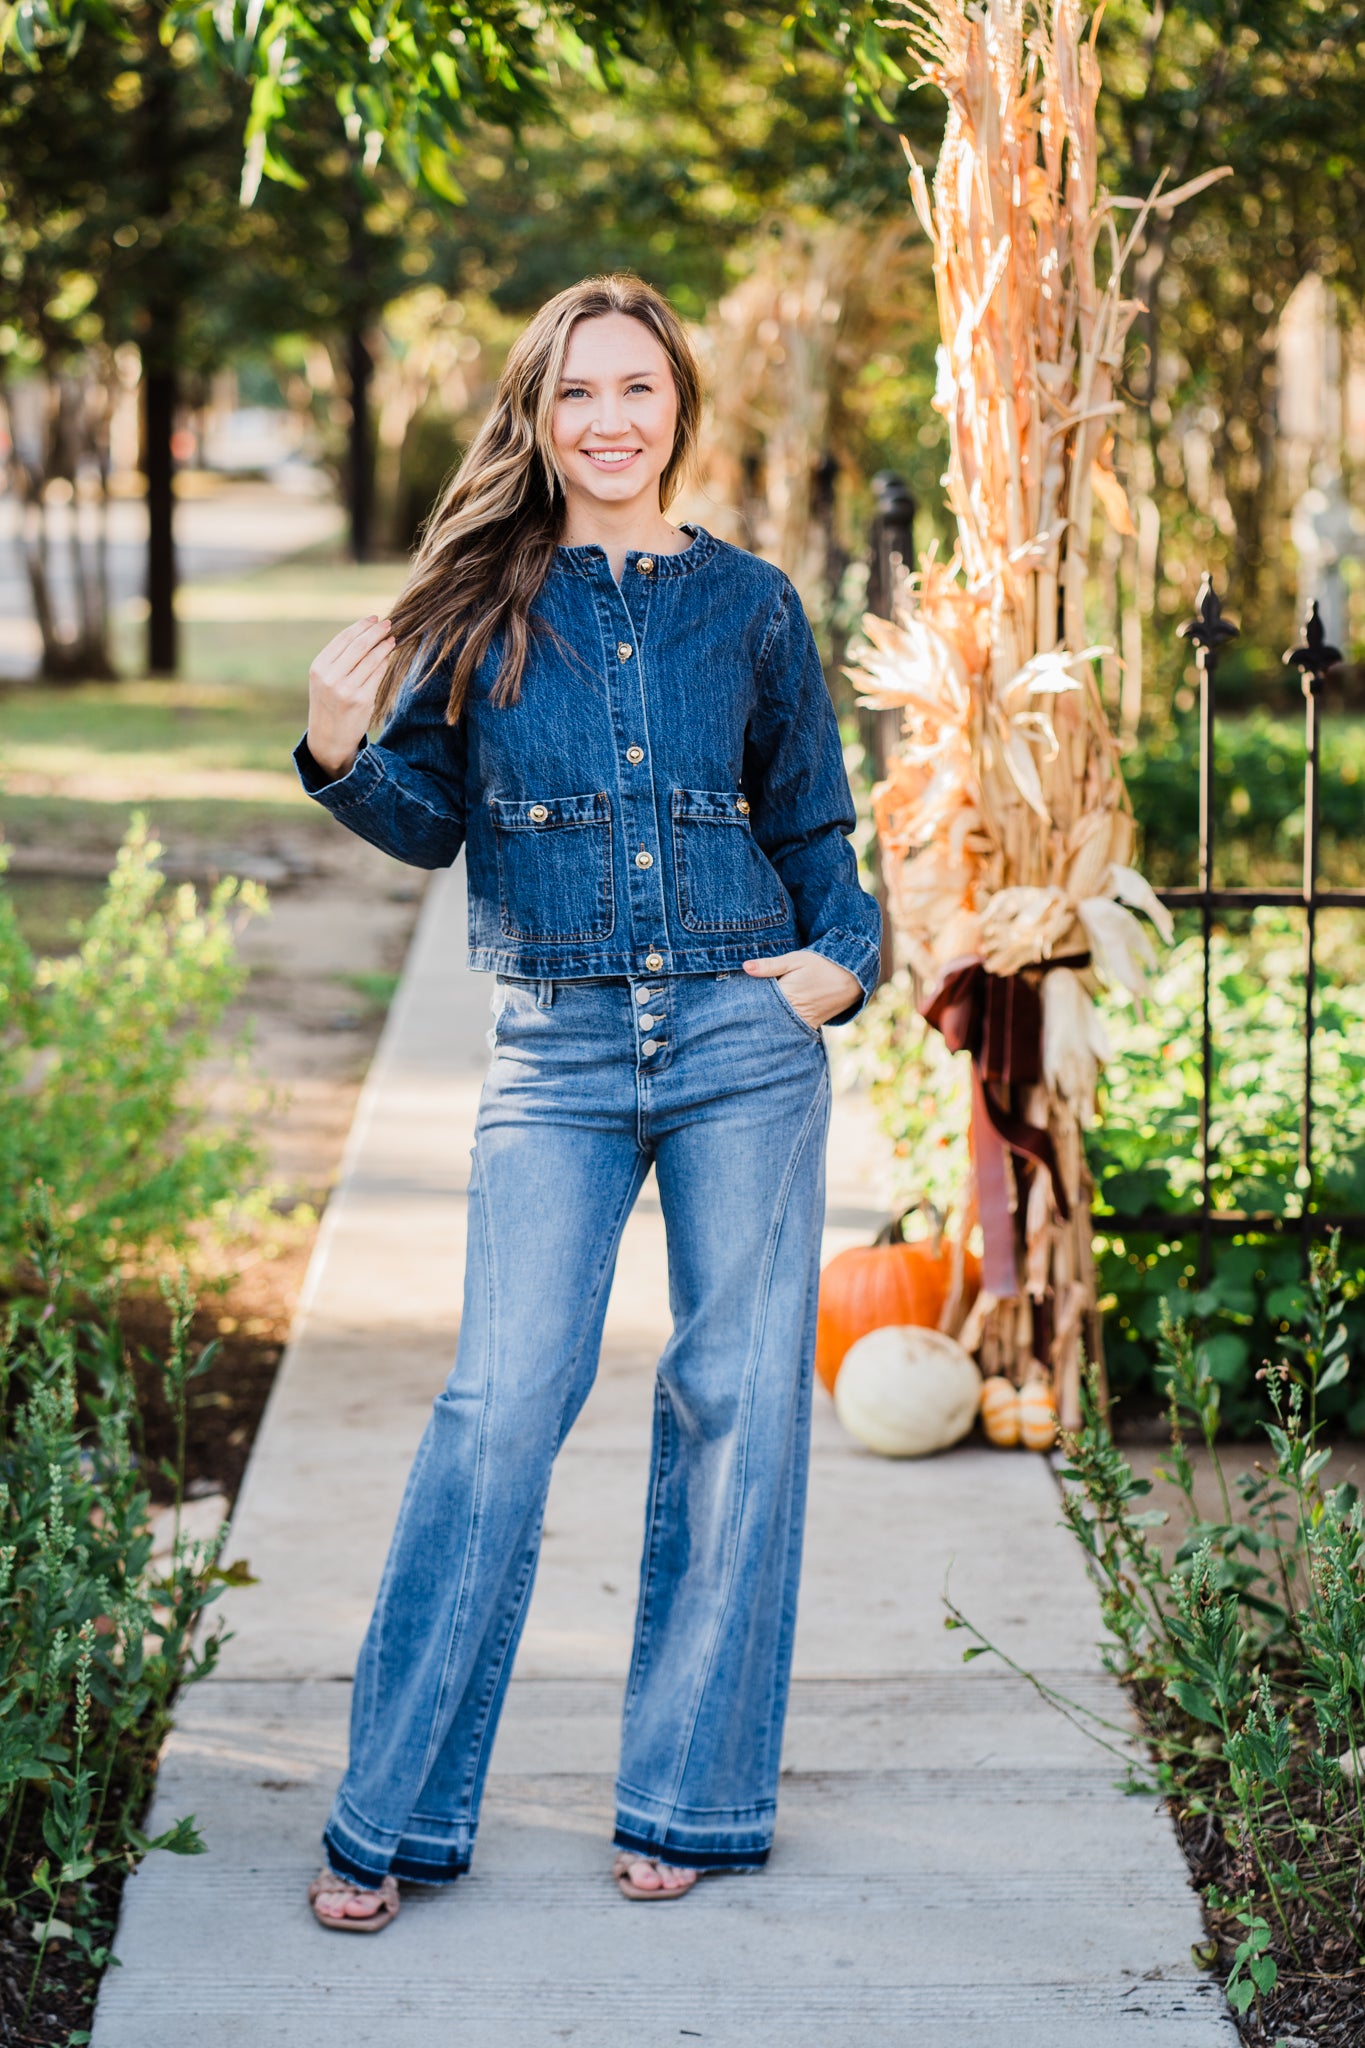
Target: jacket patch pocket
(725,882)
(554,867)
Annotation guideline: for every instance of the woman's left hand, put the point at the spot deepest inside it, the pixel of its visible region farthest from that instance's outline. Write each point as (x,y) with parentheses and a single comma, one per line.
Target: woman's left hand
(816,988)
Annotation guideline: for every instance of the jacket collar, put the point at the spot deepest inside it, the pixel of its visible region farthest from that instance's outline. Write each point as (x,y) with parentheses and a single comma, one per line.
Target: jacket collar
(591,561)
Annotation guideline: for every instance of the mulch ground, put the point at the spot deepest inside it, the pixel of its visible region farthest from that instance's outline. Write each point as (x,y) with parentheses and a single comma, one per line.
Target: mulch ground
(1323,2002)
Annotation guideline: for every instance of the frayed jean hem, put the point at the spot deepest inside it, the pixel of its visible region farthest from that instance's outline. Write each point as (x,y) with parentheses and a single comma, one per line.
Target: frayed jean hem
(665,1845)
(417,1859)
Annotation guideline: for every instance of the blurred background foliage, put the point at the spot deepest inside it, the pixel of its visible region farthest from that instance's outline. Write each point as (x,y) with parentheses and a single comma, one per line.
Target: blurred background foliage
(341,216)
(401,219)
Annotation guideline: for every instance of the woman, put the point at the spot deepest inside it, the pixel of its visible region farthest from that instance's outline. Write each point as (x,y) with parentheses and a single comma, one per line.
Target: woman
(625,725)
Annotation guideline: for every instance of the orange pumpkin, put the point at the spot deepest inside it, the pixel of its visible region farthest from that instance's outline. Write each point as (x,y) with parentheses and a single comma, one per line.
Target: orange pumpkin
(884,1285)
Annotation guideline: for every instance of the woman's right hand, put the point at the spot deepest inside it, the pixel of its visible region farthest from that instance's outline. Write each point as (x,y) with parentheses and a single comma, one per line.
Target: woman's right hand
(342,685)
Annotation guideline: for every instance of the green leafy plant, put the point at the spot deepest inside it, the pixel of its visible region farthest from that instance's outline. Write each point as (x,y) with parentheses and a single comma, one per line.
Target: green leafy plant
(1243,1644)
(1143,1154)
(1253,1971)
(97,1052)
(96,1633)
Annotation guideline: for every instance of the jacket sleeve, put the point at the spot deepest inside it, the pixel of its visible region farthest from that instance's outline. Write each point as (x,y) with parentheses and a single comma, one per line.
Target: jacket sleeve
(405,793)
(802,811)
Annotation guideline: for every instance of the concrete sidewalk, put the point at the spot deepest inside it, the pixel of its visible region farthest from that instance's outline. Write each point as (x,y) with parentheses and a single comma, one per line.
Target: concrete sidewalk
(954,1865)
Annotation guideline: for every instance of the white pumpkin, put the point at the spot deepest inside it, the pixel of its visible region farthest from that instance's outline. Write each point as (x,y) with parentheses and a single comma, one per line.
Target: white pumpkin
(906,1392)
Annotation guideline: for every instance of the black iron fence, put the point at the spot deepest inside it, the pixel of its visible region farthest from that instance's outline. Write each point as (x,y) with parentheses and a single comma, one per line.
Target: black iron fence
(1209,633)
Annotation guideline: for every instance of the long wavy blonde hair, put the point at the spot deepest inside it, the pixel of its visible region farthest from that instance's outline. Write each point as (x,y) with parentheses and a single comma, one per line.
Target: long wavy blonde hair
(489,543)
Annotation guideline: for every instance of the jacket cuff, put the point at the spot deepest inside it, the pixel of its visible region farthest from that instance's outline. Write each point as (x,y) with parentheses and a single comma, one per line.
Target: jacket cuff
(862,959)
(338,792)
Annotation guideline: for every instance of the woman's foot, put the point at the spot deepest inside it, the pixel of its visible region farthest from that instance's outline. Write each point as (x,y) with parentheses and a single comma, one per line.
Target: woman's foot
(352,1908)
(645,1877)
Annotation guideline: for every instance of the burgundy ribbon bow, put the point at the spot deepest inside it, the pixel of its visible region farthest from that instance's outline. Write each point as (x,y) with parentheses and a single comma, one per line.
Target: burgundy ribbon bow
(998,1020)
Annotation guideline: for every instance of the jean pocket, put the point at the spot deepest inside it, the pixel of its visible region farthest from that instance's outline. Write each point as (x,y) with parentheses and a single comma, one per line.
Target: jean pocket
(725,882)
(811,1030)
(554,867)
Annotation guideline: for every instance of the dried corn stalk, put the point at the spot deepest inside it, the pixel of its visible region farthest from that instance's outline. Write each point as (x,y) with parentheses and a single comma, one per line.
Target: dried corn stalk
(782,349)
(1005,823)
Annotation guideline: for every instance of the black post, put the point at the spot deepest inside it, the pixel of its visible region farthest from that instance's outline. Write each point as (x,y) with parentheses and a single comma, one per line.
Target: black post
(1312,660)
(893,525)
(159,386)
(159,337)
(824,510)
(360,454)
(891,540)
(1208,629)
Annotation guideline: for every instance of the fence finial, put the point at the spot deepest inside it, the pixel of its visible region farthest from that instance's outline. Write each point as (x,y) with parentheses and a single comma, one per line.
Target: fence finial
(1208,628)
(1316,656)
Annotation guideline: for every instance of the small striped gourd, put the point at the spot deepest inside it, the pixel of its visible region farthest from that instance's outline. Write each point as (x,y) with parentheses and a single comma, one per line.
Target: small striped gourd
(1037,1415)
(1000,1411)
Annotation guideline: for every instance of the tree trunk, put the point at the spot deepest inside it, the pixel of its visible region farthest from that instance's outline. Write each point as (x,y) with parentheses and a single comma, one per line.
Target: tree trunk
(159,384)
(360,451)
(56,435)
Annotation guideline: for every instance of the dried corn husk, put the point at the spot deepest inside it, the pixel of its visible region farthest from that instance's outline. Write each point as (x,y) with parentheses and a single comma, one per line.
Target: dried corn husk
(1005,825)
(783,348)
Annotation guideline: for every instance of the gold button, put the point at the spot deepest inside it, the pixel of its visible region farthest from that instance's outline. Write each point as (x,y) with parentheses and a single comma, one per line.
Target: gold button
(624,650)
(645,565)
(539,813)
(643,859)
(654,961)
(635,753)
(742,806)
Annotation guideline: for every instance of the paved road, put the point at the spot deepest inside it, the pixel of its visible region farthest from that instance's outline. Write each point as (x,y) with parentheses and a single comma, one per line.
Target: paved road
(954,1866)
(240,527)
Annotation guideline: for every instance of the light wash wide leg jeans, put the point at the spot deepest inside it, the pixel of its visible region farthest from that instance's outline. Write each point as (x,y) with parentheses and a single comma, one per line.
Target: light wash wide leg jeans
(718,1083)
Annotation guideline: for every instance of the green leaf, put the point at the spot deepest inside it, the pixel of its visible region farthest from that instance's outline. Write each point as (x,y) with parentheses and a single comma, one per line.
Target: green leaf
(1335,1373)
(1196,1703)
(1226,1358)
(238,1573)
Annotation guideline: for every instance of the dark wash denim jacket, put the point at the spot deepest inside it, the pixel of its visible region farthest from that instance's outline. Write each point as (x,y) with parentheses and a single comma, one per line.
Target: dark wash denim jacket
(667,796)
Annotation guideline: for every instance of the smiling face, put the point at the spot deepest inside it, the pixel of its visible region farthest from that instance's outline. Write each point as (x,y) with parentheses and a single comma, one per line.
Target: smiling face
(615,413)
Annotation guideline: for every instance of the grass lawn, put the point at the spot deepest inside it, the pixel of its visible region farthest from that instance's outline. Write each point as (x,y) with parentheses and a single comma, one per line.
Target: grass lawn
(206,755)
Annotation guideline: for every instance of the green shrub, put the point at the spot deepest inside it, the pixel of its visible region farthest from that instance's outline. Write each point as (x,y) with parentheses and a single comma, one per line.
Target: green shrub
(1144,1157)
(1258,794)
(1143,1151)
(1244,1646)
(96,1054)
(95,1636)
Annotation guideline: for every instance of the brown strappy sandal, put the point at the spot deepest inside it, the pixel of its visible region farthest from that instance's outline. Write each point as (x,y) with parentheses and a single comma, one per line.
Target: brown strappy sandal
(349,1923)
(626,1861)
